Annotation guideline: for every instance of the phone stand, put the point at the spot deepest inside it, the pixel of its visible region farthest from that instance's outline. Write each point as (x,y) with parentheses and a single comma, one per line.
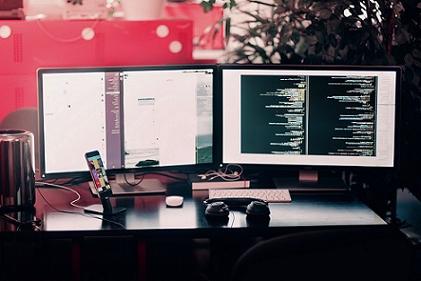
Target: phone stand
(105,208)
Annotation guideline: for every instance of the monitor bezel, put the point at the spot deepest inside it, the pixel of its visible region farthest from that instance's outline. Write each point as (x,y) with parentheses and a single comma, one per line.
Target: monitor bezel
(188,168)
(294,167)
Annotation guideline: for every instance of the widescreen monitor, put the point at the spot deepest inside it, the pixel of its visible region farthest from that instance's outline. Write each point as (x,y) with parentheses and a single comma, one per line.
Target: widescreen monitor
(136,117)
(333,116)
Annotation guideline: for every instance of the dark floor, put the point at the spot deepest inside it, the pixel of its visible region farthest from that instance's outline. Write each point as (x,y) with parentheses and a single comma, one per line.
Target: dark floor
(409,213)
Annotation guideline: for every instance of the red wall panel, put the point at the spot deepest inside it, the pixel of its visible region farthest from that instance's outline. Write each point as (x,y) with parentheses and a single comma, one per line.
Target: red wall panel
(35,44)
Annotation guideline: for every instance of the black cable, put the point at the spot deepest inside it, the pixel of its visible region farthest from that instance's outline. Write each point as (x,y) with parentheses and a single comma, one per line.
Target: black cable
(78,213)
(165,175)
(77,180)
(71,181)
(20,224)
(133,184)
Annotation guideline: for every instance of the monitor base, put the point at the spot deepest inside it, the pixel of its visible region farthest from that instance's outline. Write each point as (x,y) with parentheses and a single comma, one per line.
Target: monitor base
(146,186)
(311,181)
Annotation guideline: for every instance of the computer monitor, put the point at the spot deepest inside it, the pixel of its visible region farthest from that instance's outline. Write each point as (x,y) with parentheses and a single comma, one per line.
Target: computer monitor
(311,116)
(136,117)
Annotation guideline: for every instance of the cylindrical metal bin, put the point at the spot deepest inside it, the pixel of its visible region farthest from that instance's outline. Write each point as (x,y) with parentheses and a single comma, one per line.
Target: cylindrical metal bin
(17,175)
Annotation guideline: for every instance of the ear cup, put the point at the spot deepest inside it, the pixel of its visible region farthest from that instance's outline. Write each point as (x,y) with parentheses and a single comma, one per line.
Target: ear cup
(217,209)
(258,209)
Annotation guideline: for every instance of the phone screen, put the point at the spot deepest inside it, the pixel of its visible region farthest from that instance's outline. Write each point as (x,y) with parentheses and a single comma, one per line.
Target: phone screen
(97,170)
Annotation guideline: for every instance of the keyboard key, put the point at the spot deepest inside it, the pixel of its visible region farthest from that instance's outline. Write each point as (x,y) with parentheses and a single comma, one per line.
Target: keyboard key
(270,195)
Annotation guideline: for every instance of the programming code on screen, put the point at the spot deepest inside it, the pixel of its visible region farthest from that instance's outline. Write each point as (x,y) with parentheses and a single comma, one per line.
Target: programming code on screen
(317,115)
(326,116)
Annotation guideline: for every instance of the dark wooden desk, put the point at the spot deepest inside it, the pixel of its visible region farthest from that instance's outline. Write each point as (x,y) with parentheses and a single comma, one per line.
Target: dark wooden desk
(148,221)
(148,215)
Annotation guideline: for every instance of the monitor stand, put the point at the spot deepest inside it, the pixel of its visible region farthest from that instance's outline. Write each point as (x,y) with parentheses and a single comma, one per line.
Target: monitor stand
(311,181)
(125,185)
(104,209)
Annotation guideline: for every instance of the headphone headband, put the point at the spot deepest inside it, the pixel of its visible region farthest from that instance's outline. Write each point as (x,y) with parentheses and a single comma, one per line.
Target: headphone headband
(235,201)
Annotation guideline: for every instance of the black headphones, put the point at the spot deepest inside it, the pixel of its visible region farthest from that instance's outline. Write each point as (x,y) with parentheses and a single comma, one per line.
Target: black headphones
(220,207)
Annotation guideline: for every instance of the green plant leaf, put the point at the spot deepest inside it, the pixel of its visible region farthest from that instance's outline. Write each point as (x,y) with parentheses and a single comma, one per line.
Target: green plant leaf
(257,17)
(207,5)
(227,29)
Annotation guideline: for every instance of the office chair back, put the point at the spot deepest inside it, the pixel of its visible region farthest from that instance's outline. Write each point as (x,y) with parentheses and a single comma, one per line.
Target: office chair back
(338,254)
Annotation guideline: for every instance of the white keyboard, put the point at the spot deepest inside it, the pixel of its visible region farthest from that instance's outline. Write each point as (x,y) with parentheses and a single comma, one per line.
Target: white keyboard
(270,195)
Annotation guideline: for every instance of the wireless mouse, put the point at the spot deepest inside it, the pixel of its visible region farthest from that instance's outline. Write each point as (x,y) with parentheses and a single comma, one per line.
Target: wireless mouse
(174,201)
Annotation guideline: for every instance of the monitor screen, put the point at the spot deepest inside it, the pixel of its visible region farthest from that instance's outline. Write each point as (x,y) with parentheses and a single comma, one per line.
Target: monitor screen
(136,117)
(310,116)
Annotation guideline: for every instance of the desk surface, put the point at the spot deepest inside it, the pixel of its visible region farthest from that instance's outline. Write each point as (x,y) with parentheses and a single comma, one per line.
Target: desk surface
(148,215)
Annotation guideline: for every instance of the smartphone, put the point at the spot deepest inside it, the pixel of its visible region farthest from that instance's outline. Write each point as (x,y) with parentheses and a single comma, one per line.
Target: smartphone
(98,174)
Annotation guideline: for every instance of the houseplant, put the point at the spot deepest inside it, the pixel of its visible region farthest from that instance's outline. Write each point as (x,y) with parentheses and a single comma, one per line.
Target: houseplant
(349,32)
(303,31)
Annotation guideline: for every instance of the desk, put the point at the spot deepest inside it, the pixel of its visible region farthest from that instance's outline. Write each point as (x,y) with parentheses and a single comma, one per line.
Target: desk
(148,216)
(148,220)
